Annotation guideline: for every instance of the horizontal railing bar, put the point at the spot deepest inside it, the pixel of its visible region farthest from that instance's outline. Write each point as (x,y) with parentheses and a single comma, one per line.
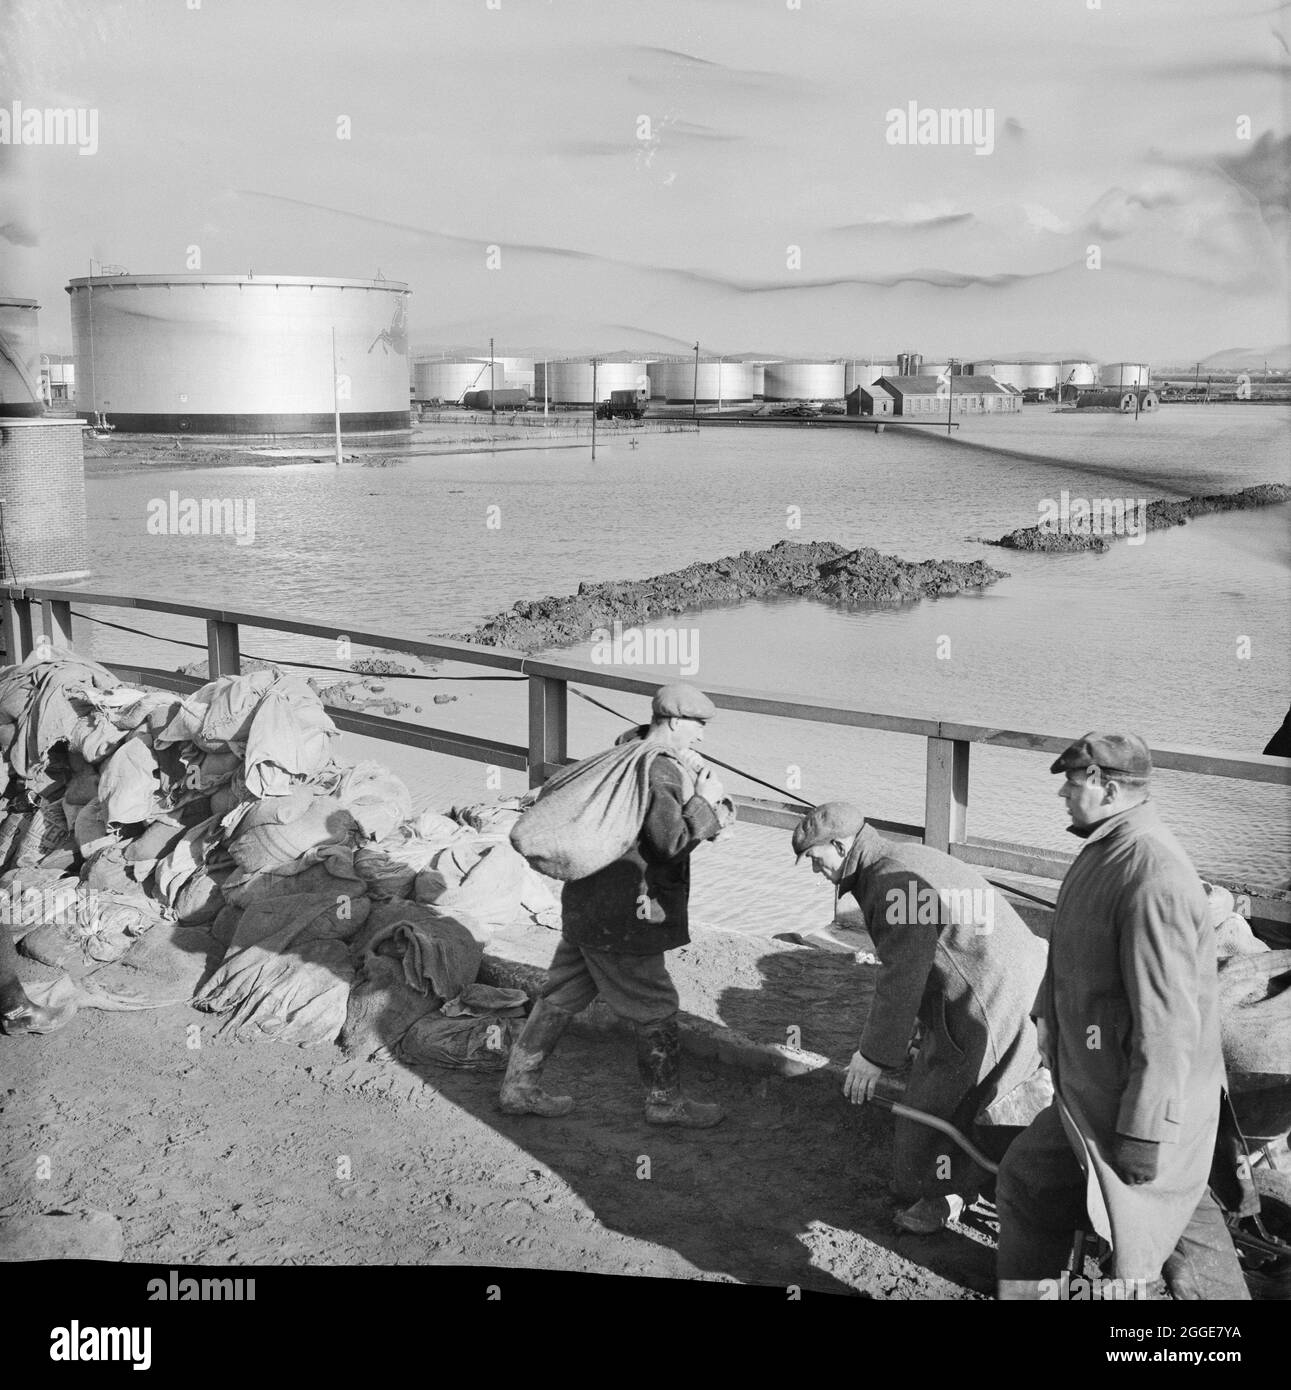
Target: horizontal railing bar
(1211,762)
(481,750)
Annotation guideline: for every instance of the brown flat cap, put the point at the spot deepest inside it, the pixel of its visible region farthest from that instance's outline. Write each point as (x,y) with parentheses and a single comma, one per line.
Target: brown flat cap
(831,820)
(681,701)
(1115,752)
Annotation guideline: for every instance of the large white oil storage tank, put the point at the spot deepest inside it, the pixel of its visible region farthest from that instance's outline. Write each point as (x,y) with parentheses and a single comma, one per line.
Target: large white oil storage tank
(517,371)
(449,378)
(20,392)
(711,383)
(241,354)
(1075,373)
(1022,376)
(857,373)
(1113,374)
(570,383)
(804,381)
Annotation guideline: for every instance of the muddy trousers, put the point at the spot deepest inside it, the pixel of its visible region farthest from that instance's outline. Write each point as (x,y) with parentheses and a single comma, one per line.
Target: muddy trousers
(1040,1198)
(637,988)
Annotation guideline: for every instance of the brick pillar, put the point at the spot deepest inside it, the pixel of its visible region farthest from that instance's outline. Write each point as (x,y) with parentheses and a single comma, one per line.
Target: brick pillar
(42,501)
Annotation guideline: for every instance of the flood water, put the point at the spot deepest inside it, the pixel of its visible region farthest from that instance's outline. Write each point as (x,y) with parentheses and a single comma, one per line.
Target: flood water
(1185,638)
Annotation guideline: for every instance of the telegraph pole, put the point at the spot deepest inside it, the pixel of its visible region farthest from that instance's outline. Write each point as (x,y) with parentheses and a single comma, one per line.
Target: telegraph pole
(493,390)
(594,407)
(694,395)
(336,399)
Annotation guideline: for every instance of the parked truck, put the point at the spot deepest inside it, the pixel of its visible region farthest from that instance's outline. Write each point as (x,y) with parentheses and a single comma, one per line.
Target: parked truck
(628,404)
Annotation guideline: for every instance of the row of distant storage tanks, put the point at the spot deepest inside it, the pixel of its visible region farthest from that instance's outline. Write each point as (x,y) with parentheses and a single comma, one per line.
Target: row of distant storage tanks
(726,383)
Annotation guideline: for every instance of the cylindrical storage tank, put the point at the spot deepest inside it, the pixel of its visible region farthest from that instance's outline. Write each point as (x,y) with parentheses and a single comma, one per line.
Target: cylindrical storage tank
(679,383)
(931,369)
(1078,373)
(1025,376)
(909,364)
(758,380)
(856,373)
(518,372)
(1116,374)
(42,484)
(570,383)
(449,379)
(241,354)
(20,394)
(804,381)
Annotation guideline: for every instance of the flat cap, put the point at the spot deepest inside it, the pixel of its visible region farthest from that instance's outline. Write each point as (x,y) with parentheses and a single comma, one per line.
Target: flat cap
(1115,752)
(682,701)
(831,820)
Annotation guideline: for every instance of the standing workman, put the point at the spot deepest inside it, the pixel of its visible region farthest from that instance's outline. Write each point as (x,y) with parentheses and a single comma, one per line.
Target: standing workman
(1129,1023)
(618,922)
(957,959)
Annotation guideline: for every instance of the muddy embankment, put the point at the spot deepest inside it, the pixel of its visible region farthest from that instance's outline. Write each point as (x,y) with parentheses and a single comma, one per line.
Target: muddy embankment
(1094,528)
(811,569)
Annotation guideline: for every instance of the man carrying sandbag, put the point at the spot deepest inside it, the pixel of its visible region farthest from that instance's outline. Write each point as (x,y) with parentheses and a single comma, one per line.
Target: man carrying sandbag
(620,919)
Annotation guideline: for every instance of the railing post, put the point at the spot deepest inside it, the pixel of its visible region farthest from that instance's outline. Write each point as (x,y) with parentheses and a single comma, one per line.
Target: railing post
(548,725)
(16,613)
(56,621)
(945,814)
(222,655)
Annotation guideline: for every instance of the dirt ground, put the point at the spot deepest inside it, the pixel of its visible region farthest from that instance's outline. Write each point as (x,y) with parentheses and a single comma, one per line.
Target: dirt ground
(235,1154)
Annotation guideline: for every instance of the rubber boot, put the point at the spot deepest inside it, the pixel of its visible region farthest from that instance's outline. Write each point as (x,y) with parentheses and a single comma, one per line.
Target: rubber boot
(930,1214)
(23,1016)
(659,1062)
(521,1092)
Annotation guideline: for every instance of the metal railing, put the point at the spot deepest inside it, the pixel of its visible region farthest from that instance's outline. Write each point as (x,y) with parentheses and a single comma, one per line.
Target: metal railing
(949,744)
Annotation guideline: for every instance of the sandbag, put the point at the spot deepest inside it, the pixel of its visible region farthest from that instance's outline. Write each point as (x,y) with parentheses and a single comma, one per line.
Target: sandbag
(377,799)
(91,829)
(1255,1012)
(241,890)
(272,845)
(199,900)
(590,814)
(128,784)
(437,949)
(477,1044)
(43,834)
(287,973)
(391,866)
(381,1008)
(10,833)
(490,877)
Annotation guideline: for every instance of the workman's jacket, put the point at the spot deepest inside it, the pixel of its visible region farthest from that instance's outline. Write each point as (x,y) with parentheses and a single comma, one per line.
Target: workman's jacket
(1131,1004)
(639,905)
(956,957)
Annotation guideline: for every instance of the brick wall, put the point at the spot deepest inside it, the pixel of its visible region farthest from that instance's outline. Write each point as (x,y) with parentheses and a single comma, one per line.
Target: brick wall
(42,487)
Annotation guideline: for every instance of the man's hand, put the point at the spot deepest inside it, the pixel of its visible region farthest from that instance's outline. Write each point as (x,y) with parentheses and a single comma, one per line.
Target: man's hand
(862,1077)
(1135,1160)
(709,786)
(1044,1043)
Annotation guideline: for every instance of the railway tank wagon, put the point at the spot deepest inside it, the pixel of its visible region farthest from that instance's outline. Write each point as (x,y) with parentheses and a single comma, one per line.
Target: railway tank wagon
(241,354)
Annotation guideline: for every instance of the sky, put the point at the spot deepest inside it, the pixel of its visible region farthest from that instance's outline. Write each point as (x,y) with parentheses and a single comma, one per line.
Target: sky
(572,176)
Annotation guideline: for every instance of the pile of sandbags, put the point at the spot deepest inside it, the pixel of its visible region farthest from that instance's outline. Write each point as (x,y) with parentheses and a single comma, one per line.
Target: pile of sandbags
(228,813)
